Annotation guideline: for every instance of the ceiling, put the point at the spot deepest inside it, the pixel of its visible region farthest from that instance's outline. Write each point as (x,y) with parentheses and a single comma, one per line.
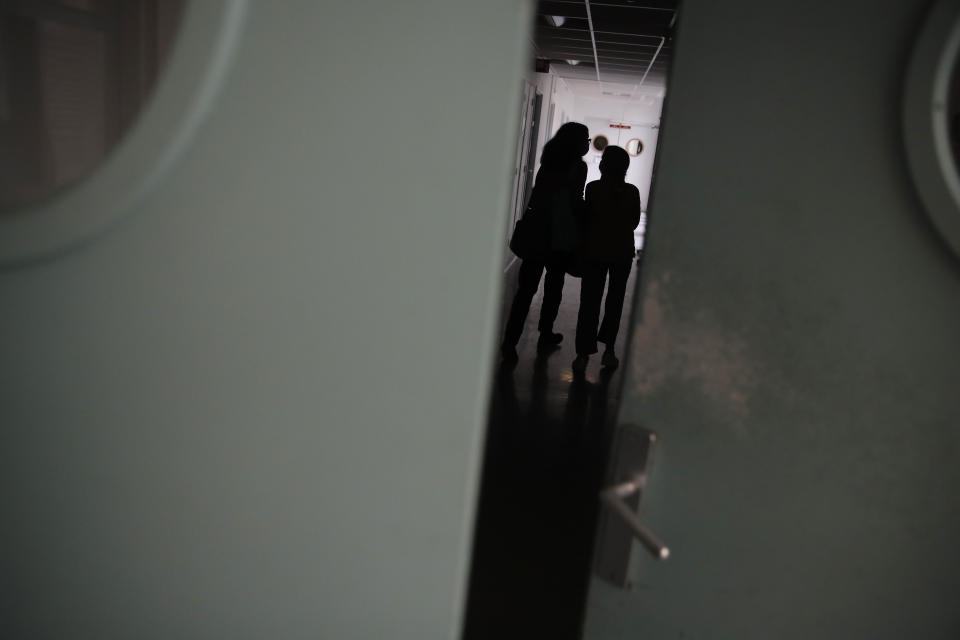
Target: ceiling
(616,41)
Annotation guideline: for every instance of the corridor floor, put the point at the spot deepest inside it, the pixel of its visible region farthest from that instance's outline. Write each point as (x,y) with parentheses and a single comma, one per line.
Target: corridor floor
(547,439)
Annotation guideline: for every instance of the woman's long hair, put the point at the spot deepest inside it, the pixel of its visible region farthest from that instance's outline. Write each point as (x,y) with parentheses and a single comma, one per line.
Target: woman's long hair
(564,147)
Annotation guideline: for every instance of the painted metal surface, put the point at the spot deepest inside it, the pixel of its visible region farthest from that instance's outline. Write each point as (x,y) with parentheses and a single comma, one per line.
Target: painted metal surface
(794,344)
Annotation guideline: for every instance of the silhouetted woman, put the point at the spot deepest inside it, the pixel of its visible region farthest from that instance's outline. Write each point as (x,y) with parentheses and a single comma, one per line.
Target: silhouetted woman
(555,206)
(612,212)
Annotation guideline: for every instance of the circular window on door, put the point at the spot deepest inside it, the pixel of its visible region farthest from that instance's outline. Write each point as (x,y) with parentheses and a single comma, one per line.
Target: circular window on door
(97,97)
(634,146)
(931,118)
(75,75)
(600,142)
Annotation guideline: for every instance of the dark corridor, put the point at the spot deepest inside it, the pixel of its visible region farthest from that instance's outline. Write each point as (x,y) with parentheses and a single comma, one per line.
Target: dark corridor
(547,439)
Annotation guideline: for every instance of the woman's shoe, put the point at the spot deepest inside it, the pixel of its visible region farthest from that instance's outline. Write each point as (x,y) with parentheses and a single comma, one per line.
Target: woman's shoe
(551,338)
(548,342)
(609,360)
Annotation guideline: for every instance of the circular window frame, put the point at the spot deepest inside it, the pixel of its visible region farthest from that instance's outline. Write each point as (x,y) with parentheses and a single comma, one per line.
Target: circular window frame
(926,126)
(639,144)
(200,58)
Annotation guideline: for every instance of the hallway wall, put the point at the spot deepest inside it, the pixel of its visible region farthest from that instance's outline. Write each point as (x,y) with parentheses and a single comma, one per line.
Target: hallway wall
(795,341)
(643,108)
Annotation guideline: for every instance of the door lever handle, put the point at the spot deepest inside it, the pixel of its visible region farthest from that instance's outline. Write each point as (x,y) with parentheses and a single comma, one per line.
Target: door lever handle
(614,496)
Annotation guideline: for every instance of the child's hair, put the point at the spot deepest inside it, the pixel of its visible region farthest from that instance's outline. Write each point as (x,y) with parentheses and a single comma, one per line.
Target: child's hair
(614,162)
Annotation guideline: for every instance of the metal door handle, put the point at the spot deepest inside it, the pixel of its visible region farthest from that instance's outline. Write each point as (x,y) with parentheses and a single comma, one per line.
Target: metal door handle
(613,498)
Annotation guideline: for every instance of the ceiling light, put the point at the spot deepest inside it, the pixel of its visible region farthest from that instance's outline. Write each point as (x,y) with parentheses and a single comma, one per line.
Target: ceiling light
(573,62)
(556,21)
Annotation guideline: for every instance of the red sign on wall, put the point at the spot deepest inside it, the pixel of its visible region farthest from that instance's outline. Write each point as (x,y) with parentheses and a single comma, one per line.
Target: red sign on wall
(619,126)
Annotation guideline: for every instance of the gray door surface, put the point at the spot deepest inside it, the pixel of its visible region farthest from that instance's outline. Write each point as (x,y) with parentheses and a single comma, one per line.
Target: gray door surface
(795,343)
(243,369)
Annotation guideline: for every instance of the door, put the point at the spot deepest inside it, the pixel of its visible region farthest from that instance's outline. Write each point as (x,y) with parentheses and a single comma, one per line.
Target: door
(640,142)
(245,365)
(526,153)
(794,347)
(639,139)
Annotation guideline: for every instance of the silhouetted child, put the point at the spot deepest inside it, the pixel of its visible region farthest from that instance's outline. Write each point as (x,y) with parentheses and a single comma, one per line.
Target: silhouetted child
(612,213)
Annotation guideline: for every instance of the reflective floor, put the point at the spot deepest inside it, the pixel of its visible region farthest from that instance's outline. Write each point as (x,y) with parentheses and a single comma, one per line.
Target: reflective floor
(547,439)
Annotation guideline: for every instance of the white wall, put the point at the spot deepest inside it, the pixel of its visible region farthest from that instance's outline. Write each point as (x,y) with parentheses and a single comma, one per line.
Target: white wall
(641,113)
(645,108)
(565,100)
(254,409)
